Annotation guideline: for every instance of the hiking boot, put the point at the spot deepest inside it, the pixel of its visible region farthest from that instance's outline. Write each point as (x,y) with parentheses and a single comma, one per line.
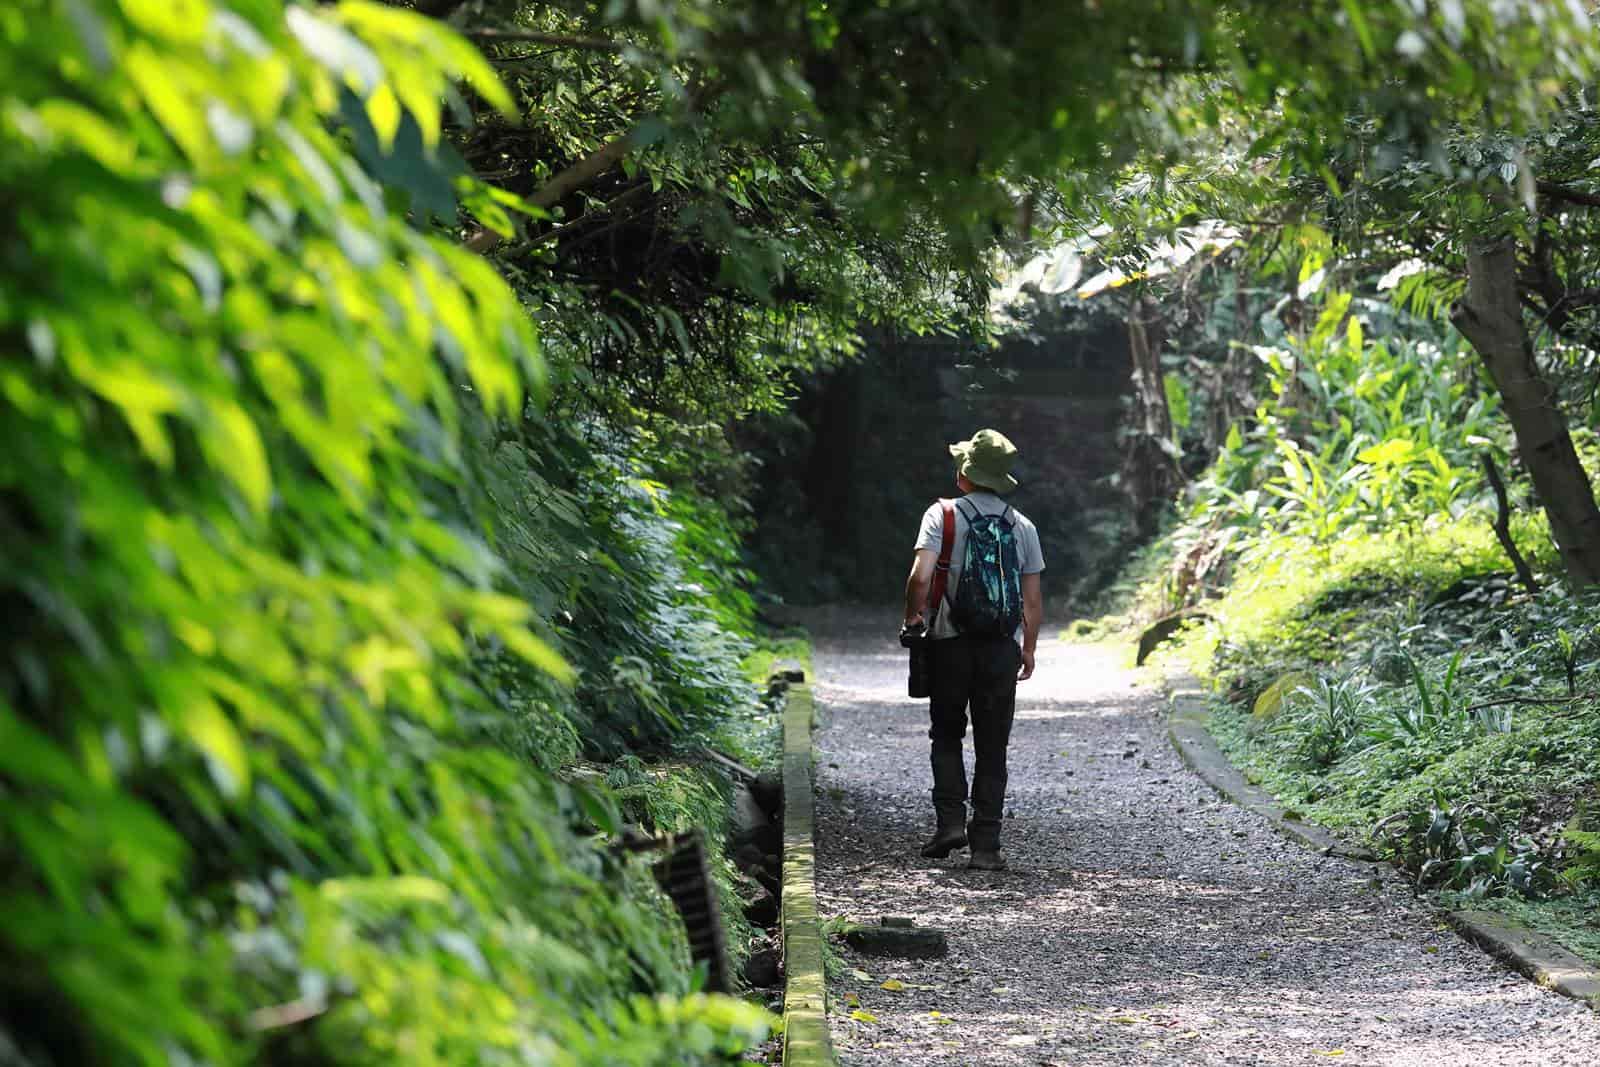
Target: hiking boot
(945,841)
(985,860)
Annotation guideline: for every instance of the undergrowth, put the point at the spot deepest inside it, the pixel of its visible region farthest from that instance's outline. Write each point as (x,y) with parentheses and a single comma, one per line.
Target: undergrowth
(1425,705)
(1374,663)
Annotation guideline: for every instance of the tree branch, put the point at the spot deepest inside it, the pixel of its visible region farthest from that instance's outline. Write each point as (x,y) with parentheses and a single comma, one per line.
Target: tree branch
(1578,299)
(583,172)
(559,40)
(1502,524)
(1568,194)
(436,8)
(558,232)
(556,189)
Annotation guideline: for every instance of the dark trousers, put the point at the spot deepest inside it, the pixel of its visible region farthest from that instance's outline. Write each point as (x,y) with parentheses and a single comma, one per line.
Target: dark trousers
(980,674)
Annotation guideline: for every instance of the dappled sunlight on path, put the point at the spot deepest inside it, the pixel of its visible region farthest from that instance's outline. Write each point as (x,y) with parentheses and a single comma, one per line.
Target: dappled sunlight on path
(1143,920)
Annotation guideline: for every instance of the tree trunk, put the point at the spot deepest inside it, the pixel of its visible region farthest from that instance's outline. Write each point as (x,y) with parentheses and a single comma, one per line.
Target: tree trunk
(1490,318)
(1150,469)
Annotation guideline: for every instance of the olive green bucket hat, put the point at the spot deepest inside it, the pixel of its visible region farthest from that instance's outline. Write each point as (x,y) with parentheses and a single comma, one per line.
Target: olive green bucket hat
(986,460)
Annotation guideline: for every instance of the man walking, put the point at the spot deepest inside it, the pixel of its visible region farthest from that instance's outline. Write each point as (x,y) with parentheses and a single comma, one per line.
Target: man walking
(982,631)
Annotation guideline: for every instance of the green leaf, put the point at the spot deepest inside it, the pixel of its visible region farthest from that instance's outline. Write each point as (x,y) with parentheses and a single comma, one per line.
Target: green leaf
(1177,399)
(210,730)
(179,21)
(1395,452)
(336,48)
(161,85)
(110,147)
(383,108)
(238,451)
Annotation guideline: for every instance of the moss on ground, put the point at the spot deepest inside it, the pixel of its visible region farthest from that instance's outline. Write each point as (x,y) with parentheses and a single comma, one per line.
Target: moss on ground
(1573,921)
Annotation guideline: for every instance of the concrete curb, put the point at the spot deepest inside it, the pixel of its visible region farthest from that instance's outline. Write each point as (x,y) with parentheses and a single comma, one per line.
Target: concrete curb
(806,1041)
(1186,727)
(1530,953)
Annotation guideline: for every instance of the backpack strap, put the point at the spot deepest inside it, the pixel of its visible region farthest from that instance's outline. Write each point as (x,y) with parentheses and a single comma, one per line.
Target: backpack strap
(947,545)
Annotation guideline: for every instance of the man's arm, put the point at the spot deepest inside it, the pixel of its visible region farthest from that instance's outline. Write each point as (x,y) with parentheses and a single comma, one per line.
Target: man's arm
(919,582)
(1032,616)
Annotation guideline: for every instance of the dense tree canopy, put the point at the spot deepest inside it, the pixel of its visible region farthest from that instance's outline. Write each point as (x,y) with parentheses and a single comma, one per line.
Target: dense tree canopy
(367,379)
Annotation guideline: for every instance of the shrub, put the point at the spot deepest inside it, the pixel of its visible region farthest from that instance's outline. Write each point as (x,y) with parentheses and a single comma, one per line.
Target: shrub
(252,800)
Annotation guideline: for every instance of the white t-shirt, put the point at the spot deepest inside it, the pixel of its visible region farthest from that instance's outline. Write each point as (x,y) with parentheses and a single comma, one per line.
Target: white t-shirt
(1029,554)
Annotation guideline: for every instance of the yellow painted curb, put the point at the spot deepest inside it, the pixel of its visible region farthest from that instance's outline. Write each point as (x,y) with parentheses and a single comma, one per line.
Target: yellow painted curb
(806,1042)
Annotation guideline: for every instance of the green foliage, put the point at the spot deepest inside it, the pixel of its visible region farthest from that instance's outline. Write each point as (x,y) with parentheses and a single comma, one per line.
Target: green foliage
(1583,858)
(1431,711)
(1568,919)
(1362,435)
(1323,719)
(723,193)
(899,95)
(1440,709)
(645,594)
(774,648)
(252,804)
(1449,718)
(1464,847)
(291,575)
(717,259)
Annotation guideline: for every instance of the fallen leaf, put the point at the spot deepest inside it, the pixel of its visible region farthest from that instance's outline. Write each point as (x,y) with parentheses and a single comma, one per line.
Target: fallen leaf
(893,985)
(1330,1052)
(852,1000)
(1000,990)
(860,975)
(863,1016)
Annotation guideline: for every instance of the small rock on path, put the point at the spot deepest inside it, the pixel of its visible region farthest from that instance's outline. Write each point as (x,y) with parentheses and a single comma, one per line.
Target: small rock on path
(1144,920)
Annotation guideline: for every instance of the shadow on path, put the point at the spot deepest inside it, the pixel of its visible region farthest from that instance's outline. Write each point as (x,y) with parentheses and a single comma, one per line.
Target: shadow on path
(1144,920)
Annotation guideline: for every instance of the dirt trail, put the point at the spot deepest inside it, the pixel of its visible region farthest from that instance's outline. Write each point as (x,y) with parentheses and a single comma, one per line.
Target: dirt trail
(1144,920)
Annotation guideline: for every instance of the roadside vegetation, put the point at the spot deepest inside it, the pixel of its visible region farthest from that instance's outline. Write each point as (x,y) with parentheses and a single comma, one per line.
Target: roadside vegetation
(1361,459)
(371,512)
(1377,662)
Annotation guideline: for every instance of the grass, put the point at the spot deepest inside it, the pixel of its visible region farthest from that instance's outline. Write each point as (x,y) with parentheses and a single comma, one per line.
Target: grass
(778,646)
(1574,920)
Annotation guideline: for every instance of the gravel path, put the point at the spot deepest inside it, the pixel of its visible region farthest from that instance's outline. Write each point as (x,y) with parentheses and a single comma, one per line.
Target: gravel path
(1143,919)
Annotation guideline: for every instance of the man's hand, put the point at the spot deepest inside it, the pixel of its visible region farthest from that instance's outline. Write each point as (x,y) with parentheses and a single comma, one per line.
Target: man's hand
(919,582)
(1026,670)
(1032,616)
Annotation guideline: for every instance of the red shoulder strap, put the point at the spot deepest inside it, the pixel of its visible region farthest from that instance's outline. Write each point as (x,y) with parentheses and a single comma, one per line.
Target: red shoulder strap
(947,544)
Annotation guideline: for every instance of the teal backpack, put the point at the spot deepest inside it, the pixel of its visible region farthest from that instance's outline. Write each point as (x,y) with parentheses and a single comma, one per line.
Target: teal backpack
(988,600)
